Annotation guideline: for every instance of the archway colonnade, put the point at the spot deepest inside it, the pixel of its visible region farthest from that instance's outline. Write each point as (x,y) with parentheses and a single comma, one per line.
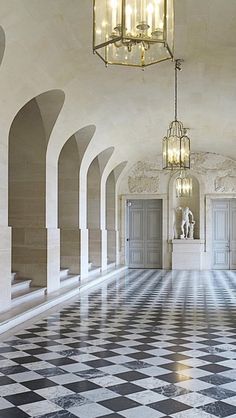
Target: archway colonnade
(76,233)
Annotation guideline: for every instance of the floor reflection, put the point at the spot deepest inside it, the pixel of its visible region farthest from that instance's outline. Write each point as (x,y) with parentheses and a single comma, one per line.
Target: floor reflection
(147,344)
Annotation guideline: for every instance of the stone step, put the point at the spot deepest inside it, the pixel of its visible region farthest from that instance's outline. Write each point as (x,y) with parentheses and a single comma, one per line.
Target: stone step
(19,285)
(22,312)
(13,276)
(94,271)
(64,273)
(111,265)
(27,295)
(70,280)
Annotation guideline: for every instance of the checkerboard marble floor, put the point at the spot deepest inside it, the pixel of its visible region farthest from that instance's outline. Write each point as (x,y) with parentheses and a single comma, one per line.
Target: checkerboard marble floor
(148,344)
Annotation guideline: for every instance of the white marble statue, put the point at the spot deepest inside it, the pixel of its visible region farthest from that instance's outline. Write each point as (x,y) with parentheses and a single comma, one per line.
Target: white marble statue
(187,223)
(191,230)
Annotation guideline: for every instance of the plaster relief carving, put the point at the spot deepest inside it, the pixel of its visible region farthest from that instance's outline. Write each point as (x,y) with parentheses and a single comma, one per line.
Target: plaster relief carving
(225,184)
(219,172)
(144,177)
(203,162)
(143,184)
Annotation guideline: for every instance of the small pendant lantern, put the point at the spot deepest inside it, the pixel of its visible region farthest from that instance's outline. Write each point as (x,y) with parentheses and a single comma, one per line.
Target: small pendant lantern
(184,185)
(176,145)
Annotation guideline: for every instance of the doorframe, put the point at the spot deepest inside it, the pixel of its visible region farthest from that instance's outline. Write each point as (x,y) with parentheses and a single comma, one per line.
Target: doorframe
(123,224)
(209,221)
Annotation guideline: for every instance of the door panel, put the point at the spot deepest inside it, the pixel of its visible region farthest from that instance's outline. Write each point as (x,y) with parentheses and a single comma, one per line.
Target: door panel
(136,233)
(136,227)
(221,211)
(233,234)
(144,245)
(153,246)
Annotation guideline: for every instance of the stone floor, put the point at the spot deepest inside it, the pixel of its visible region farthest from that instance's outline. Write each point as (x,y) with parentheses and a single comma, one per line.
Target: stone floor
(152,344)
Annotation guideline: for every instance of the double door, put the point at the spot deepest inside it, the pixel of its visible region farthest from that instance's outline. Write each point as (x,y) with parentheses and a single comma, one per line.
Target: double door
(144,233)
(224,234)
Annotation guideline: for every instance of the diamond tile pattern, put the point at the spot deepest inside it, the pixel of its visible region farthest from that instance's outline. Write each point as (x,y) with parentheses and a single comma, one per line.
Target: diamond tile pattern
(147,344)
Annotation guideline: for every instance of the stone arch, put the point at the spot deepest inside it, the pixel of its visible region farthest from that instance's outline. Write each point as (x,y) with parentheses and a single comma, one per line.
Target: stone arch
(111,212)
(94,176)
(69,162)
(2,44)
(28,140)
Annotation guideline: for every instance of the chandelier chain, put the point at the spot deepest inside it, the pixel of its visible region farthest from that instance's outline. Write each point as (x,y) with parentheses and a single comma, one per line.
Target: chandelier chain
(176,91)
(178,67)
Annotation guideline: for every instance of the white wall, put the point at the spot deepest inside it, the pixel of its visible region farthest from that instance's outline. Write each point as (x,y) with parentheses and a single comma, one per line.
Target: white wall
(214,176)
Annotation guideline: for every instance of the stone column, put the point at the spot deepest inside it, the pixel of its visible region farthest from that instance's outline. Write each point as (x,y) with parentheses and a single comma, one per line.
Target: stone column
(5,268)
(117,248)
(70,249)
(103,249)
(111,245)
(84,253)
(53,259)
(95,247)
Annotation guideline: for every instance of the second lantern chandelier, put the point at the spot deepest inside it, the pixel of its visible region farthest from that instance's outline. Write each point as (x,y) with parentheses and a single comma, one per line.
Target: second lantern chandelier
(176,145)
(184,185)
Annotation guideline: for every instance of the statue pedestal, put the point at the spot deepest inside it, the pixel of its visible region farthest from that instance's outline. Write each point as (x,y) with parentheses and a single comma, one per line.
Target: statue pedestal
(187,254)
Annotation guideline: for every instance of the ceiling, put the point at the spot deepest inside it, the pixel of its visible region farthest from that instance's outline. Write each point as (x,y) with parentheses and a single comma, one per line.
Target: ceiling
(49,46)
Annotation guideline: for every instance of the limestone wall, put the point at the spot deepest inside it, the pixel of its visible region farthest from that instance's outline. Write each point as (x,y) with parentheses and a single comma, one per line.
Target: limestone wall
(213,175)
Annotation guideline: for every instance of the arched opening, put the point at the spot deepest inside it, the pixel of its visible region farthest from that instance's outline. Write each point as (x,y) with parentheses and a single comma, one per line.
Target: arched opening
(68,202)
(68,207)
(111,213)
(93,207)
(2,43)
(111,218)
(28,140)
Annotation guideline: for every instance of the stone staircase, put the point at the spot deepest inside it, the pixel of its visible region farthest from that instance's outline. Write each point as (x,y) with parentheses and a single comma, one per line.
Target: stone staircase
(93,270)
(111,265)
(28,301)
(22,291)
(67,279)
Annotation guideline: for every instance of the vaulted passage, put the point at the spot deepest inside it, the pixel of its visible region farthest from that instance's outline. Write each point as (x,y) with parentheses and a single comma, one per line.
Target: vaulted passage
(148,343)
(117,226)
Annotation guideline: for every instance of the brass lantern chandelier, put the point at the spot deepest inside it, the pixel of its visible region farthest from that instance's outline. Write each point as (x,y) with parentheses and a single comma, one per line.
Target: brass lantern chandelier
(134,33)
(184,185)
(176,145)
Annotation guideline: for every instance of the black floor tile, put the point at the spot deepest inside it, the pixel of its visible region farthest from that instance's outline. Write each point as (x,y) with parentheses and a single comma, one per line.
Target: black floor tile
(38,384)
(119,404)
(83,386)
(13,413)
(219,409)
(169,406)
(126,388)
(24,398)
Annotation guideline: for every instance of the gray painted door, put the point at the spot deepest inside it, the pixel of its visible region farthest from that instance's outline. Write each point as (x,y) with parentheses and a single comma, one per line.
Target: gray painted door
(144,233)
(232,234)
(224,234)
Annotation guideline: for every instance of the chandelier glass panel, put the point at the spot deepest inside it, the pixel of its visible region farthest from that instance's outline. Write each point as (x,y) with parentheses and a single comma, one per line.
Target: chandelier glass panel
(133,32)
